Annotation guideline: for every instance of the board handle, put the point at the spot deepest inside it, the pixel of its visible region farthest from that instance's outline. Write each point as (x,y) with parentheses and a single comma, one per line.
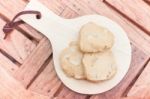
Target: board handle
(8,27)
(50,23)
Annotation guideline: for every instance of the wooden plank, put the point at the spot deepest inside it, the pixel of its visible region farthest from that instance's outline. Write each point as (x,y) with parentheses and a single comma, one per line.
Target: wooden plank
(47,82)
(68,13)
(137,37)
(131,97)
(136,10)
(142,86)
(78,6)
(10,8)
(11,89)
(138,61)
(27,29)
(18,50)
(55,5)
(34,62)
(8,65)
(69,94)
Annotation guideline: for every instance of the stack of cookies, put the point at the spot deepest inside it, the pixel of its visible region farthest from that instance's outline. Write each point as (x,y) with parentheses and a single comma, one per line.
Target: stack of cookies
(90,57)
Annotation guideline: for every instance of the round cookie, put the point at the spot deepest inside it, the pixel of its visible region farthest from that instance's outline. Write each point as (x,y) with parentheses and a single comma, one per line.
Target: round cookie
(71,61)
(94,38)
(99,66)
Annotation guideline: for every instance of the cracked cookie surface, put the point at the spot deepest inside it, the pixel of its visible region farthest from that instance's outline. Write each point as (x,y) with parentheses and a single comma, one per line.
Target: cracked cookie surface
(94,38)
(99,66)
(71,61)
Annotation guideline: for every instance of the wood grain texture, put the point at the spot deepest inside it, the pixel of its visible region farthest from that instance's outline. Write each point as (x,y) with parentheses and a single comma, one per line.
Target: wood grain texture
(31,32)
(34,62)
(11,89)
(9,8)
(137,37)
(47,83)
(55,5)
(69,94)
(138,61)
(131,97)
(142,86)
(8,65)
(68,13)
(18,50)
(136,10)
(78,6)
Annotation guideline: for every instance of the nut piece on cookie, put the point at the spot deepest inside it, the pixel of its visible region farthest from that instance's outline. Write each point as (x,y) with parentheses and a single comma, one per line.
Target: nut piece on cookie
(99,66)
(94,38)
(71,61)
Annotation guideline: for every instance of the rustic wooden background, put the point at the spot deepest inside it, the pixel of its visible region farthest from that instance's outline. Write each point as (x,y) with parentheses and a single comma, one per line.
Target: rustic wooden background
(26,66)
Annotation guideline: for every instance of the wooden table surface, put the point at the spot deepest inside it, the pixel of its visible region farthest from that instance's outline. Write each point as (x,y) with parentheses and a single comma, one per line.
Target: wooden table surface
(26,65)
